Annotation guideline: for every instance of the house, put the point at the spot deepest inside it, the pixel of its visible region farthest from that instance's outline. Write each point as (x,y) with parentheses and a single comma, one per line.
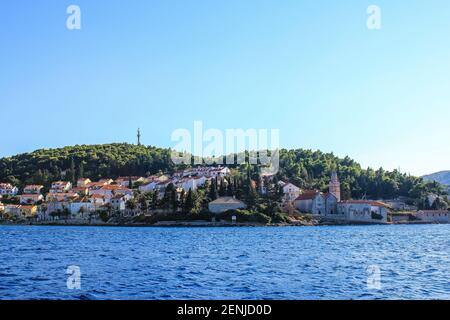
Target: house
(108,191)
(82,191)
(8,189)
(60,187)
(208,172)
(33,189)
(438,216)
(31,198)
(118,202)
(187,184)
(151,183)
(290,191)
(317,203)
(365,211)
(399,204)
(106,181)
(149,186)
(310,201)
(21,211)
(97,201)
(61,196)
(125,181)
(96,185)
(223,204)
(80,208)
(83,182)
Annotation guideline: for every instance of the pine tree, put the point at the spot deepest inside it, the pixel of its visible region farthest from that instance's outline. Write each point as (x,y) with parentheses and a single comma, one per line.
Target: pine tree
(189,203)
(72,171)
(213,191)
(174,200)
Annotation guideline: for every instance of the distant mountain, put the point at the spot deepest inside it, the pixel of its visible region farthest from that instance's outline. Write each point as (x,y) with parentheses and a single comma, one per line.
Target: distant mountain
(442,177)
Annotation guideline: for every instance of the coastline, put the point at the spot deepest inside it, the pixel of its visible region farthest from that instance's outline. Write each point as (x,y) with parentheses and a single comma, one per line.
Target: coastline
(206,224)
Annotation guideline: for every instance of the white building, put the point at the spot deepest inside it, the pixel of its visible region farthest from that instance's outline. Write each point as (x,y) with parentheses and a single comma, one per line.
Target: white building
(60,187)
(33,189)
(224,204)
(109,191)
(31,198)
(290,191)
(437,216)
(8,189)
(83,182)
(125,181)
(363,211)
(119,202)
(208,172)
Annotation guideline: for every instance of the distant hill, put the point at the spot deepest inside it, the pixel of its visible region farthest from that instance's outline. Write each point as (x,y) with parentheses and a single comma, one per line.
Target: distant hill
(443,177)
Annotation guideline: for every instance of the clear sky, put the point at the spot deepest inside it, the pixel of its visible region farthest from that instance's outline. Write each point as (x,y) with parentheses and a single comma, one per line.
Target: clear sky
(309,68)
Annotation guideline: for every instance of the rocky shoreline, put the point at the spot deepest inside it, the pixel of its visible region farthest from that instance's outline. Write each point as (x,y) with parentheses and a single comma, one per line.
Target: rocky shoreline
(199,223)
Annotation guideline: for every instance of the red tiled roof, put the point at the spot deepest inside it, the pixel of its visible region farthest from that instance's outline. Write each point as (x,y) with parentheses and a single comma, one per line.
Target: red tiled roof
(370,202)
(308,195)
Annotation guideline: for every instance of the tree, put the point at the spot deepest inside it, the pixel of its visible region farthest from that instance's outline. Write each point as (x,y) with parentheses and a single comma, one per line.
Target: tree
(154,201)
(143,203)
(189,203)
(131,204)
(213,190)
(174,199)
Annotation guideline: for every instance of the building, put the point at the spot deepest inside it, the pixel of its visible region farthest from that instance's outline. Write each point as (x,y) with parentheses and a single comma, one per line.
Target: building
(310,201)
(224,204)
(208,172)
(31,198)
(21,211)
(83,182)
(363,211)
(318,203)
(335,186)
(61,196)
(118,202)
(60,187)
(98,201)
(291,192)
(108,191)
(125,181)
(33,189)
(82,191)
(80,208)
(399,204)
(8,189)
(437,216)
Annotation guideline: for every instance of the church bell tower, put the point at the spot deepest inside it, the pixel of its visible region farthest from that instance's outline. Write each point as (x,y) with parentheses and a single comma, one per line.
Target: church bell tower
(335,185)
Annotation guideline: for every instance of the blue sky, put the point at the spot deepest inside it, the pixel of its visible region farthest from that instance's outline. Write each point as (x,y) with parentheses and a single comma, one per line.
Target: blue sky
(309,68)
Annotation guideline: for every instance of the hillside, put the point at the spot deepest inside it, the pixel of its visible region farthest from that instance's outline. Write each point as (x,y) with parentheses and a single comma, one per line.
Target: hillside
(305,168)
(442,177)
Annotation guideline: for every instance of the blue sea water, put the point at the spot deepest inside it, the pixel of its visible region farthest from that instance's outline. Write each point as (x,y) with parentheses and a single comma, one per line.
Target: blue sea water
(226,263)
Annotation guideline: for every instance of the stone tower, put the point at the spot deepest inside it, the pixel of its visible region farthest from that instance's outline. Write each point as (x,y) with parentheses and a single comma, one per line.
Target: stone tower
(335,185)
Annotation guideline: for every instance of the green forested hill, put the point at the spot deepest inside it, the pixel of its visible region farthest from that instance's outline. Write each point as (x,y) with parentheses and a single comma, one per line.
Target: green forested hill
(305,168)
(93,161)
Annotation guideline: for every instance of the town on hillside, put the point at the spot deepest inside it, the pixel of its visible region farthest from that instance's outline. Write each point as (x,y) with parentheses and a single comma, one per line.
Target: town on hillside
(201,193)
